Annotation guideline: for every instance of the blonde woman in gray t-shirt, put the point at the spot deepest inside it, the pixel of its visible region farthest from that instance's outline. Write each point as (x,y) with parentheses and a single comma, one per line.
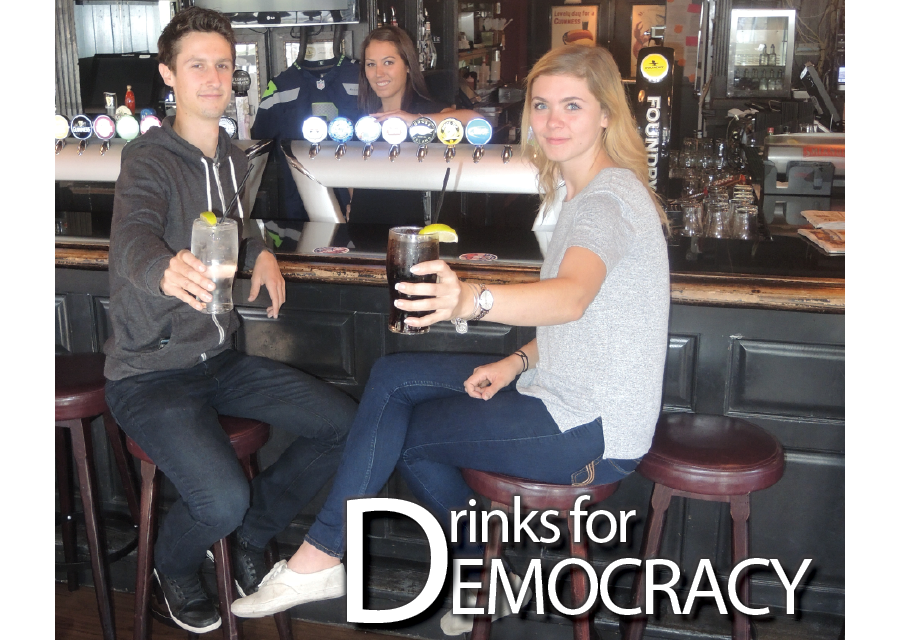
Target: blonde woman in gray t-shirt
(589,386)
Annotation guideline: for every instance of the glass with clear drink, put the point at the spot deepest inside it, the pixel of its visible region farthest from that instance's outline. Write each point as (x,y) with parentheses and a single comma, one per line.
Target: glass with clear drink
(217,247)
(405,249)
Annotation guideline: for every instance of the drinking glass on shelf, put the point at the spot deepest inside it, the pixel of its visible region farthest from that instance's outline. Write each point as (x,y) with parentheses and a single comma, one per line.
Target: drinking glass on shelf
(718,222)
(406,247)
(692,215)
(692,184)
(744,223)
(216,245)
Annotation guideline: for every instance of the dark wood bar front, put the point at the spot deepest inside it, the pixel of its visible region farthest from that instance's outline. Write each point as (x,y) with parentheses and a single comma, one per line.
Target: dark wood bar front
(756,331)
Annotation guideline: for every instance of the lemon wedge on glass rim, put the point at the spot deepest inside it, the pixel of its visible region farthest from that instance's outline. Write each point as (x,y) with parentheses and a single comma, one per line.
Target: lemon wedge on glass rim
(443,232)
(210,218)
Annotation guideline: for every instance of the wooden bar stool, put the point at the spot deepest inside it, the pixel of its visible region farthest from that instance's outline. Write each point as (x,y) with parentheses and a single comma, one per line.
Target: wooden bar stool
(500,490)
(80,398)
(705,457)
(247,437)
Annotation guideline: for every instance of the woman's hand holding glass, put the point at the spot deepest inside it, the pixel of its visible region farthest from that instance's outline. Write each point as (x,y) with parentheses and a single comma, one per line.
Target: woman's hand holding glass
(447,298)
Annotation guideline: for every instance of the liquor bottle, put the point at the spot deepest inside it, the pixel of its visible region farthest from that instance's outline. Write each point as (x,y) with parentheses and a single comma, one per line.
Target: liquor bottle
(129,98)
(393,17)
(773,57)
(431,50)
(763,58)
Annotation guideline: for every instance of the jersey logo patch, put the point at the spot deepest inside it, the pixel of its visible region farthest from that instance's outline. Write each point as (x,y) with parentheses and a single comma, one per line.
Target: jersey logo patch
(351,88)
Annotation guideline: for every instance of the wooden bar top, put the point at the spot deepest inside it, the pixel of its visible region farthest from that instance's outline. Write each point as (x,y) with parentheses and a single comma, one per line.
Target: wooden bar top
(784,273)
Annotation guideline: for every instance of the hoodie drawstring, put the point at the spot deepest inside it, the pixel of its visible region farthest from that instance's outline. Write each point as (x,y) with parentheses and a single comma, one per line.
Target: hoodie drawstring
(208,192)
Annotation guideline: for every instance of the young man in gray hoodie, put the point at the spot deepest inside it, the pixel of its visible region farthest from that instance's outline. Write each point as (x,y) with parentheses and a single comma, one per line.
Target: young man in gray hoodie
(171,369)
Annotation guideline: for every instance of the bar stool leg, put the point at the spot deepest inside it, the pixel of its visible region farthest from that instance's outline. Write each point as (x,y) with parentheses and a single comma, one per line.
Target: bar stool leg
(740,550)
(283,619)
(66,505)
(84,463)
(147,525)
(633,628)
(225,584)
(481,628)
(584,624)
(123,463)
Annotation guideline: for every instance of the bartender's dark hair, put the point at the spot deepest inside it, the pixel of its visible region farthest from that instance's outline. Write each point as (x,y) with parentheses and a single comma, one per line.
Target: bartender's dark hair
(367,99)
(620,140)
(189,21)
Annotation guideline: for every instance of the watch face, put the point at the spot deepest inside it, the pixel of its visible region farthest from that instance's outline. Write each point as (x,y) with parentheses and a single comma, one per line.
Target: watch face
(486,299)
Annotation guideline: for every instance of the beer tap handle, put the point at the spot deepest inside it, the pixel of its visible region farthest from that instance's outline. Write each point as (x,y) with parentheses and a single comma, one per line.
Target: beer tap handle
(59,146)
(367,151)
(82,146)
(478,153)
(104,147)
(313,150)
(340,151)
(450,153)
(421,152)
(507,153)
(395,151)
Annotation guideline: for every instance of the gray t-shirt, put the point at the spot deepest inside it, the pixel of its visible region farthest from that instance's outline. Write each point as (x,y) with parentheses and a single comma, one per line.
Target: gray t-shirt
(609,363)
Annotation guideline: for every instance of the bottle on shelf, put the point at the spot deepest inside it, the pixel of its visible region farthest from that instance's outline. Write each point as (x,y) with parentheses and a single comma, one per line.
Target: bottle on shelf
(772,58)
(763,58)
(129,98)
(393,17)
(431,49)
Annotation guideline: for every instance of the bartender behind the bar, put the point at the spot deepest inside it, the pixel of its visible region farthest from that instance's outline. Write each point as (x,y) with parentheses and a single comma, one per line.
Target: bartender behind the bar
(320,82)
(391,84)
(171,370)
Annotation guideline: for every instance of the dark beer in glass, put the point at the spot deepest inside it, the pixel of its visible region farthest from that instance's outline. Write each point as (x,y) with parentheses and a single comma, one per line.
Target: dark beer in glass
(406,248)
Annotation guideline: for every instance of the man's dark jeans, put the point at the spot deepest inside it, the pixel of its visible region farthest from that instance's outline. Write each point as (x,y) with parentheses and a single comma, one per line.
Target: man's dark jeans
(172,415)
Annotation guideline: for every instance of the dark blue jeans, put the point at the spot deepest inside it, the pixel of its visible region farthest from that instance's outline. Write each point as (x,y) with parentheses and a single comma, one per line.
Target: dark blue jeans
(416,415)
(172,415)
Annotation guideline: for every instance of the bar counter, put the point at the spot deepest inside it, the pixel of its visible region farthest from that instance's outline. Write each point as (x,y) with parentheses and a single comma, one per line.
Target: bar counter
(756,331)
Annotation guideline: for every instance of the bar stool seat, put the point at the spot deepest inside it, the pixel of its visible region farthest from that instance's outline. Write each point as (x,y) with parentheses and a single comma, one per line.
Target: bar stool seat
(80,397)
(247,436)
(705,457)
(500,489)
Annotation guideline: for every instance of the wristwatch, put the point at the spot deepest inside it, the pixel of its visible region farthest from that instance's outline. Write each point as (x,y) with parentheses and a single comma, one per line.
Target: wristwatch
(482,303)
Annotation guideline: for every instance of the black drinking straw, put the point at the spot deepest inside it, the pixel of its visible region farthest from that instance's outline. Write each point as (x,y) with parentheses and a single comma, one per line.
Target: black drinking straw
(440,202)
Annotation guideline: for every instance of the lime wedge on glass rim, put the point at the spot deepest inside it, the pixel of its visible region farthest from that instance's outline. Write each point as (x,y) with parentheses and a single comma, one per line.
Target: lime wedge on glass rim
(210,218)
(443,232)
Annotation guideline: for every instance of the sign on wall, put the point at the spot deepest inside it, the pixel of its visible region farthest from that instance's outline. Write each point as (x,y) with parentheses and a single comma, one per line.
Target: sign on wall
(573,24)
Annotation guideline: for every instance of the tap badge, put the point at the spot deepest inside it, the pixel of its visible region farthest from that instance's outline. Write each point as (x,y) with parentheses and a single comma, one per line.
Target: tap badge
(82,127)
(393,130)
(450,131)
(240,82)
(228,124)
(368,129)
(654,67)
(60,127)
(340,130)
(148,122)
(314,129)
(422,130)
(479,131)
(104,127)
(127,127)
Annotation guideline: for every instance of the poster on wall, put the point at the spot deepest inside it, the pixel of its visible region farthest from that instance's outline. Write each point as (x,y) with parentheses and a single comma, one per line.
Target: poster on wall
(643,17)
(573,24)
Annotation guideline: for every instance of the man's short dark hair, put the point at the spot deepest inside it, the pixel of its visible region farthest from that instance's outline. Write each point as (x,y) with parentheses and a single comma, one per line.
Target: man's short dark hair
(189,21)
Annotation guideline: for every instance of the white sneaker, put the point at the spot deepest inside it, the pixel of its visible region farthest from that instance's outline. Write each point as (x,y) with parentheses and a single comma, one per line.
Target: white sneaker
(453,624)
(282,589)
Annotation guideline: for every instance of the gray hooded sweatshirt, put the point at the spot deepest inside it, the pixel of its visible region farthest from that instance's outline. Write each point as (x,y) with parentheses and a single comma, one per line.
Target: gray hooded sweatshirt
(164,184)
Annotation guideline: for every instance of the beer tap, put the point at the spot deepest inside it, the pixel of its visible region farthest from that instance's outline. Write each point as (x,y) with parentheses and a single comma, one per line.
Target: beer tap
(394,130)
(105,129)
(315,130)
(507,153)
(60,132)
(341,131)
(422,131)
(450,131)
(240,84)
(368,130)
(82,129)
(127,127)
(479,132)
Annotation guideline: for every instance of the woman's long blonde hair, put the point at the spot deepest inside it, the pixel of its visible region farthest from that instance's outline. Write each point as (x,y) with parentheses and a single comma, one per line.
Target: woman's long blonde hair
(620,140)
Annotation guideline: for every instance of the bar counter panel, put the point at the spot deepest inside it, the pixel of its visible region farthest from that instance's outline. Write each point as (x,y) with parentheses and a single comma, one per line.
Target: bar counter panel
(747,338)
